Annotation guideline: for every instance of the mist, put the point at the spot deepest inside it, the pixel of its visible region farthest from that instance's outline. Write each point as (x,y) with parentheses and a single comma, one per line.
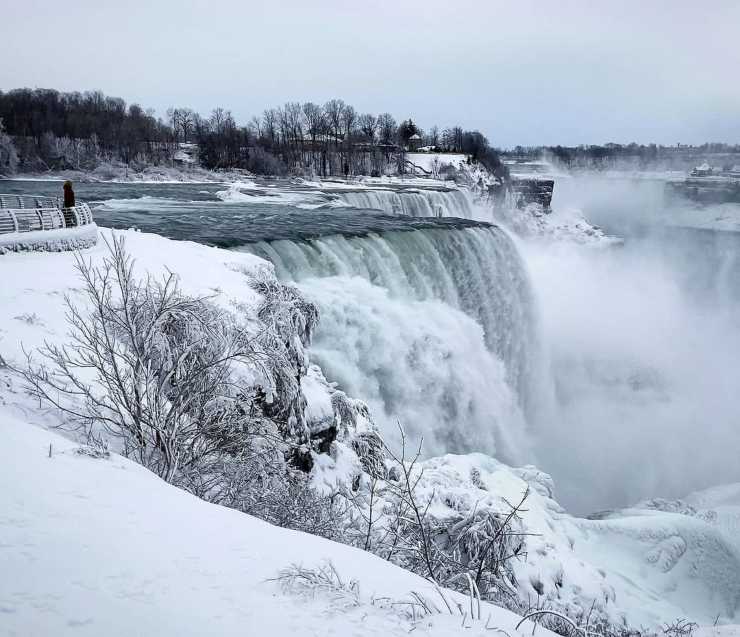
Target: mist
(643,342)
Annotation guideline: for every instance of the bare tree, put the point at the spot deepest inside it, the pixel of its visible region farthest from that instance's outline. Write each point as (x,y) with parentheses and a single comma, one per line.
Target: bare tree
(8,155)
(387,128)
(349,121)
(255,125)
(314,118)
(410,531)
(186,120)
(217,119)
(334,110)
(269,124)
(433,136)
(368,125)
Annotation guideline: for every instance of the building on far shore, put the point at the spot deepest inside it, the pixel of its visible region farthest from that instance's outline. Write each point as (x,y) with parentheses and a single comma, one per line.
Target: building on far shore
(414,142)
(705,170)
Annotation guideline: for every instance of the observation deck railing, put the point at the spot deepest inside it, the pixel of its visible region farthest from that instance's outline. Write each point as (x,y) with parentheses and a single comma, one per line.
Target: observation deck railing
(28,213)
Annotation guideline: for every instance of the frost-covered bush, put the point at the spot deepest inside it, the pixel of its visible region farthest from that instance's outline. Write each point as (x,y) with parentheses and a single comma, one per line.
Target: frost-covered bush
(398,512)
(165,374)
(370,451)
(258,480)
(308,581)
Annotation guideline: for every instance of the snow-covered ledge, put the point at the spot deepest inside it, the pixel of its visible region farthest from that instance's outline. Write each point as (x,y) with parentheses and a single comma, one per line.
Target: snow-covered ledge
(57,240)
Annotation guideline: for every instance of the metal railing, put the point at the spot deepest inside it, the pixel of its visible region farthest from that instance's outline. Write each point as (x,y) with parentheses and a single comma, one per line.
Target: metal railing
(28,201)
(23,213)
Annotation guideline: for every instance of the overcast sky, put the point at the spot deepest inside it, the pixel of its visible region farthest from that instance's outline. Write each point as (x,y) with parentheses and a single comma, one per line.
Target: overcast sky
(523,72)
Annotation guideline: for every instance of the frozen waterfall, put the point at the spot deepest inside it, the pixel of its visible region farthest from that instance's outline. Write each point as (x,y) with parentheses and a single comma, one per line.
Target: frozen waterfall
(434,328)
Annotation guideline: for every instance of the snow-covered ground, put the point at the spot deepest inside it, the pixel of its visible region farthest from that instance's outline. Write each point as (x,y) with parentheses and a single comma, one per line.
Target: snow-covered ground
(103,546)
(434,163)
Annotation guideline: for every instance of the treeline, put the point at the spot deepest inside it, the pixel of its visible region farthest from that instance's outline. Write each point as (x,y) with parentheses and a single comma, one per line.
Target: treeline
(54,130)
(76,130)
(632,155)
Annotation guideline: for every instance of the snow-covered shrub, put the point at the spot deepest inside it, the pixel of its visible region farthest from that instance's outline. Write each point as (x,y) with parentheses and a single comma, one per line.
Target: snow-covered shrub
(95,448)
(325,579)
(370,451)
(394,512)
(241,476)
(483,544)
(259,481)
(156,369)
(297,505)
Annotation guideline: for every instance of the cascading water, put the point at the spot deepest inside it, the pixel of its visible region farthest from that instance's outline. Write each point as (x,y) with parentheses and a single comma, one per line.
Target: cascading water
(412,202)
(434,328)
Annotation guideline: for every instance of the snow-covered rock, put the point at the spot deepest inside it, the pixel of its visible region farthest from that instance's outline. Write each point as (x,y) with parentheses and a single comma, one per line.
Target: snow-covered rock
(561,225)
(638,568)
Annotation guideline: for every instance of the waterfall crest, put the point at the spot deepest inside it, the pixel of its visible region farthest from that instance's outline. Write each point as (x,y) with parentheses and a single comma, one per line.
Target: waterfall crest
(412,202)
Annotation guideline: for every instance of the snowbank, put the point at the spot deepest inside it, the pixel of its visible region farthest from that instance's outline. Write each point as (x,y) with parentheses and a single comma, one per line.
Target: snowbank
(433,163)
(642,566)
(35,283)
(100,546)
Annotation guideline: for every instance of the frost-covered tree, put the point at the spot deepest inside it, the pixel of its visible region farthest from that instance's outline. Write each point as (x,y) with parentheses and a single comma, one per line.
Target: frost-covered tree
(165,374)
(289,322)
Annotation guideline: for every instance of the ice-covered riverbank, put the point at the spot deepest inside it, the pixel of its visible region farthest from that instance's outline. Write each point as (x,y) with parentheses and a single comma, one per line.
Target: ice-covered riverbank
(116,173)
